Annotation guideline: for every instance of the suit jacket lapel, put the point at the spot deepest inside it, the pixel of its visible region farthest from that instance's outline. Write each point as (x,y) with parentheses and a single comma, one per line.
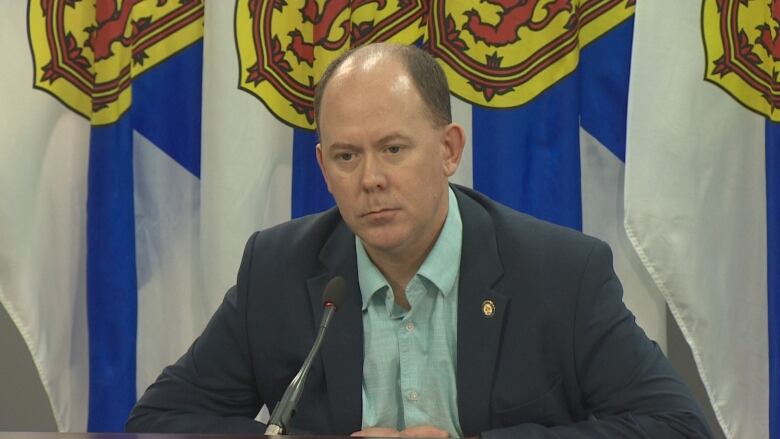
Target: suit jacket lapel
(479,334)
(342,348)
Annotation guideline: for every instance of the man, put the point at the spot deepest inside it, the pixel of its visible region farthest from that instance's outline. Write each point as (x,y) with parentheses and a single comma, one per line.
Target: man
(463,317)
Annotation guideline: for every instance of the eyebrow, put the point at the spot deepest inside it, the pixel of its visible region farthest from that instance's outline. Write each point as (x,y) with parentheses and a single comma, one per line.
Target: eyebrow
(386,139)
(394,136)
(341,145)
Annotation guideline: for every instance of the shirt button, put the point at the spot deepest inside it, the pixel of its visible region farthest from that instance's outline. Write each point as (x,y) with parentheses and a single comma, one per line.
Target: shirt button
(409,326)
(414,396)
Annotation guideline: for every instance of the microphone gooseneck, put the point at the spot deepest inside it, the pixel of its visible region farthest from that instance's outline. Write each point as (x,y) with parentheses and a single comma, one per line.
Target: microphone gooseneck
(332,297)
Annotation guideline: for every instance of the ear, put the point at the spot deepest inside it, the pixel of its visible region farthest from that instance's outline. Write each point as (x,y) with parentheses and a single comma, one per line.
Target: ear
(453,141)
(318,151)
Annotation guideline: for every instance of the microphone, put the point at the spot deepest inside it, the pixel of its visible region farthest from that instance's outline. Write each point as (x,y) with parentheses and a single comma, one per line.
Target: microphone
(332,297)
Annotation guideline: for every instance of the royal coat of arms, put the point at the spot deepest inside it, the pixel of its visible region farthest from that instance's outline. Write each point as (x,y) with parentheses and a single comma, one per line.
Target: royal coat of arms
(87,52)
(742,44)
(503,53)
(496,53)
(285,45)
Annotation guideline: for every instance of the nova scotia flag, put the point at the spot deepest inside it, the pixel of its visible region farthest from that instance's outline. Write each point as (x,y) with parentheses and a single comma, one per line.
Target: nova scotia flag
(100,205)
(702,197)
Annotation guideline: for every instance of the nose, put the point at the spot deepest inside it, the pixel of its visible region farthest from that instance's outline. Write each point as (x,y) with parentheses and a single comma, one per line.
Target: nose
(373,177)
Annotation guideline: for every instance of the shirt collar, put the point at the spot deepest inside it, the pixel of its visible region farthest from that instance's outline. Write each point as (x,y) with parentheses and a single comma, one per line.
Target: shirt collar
(441,266)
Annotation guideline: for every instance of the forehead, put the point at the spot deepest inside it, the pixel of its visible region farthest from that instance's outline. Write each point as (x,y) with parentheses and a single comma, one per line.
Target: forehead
(369,73)
(374,88)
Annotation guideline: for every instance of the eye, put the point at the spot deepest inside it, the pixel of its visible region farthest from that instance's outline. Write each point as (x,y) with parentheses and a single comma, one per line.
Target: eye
(345,156)
(393,149)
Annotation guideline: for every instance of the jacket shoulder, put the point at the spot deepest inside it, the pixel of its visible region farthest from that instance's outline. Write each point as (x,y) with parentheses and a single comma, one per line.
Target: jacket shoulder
(300,234)
(517,231)
(293,246)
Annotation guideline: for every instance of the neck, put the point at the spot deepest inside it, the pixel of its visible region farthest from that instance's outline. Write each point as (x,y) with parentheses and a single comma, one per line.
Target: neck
(399,270)
(400,267)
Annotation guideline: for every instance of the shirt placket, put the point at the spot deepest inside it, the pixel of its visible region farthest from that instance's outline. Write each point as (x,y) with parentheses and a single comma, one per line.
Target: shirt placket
(411,353)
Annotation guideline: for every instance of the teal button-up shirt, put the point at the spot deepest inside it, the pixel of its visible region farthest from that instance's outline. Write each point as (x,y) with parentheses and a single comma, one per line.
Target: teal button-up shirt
(409,364)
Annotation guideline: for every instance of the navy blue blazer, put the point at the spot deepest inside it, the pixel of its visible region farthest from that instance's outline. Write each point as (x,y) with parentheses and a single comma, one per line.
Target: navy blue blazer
(561,357)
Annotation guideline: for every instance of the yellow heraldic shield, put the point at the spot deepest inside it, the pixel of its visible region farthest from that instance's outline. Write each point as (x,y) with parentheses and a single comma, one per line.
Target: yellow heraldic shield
(503,53)
(86,53)
(285,45)
(496,53)
(742,41)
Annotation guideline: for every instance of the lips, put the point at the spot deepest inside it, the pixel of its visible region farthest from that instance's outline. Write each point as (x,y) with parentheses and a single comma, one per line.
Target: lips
(379,213)
(376,211)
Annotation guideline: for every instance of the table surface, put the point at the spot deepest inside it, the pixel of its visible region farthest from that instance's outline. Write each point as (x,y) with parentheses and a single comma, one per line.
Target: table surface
(55,435)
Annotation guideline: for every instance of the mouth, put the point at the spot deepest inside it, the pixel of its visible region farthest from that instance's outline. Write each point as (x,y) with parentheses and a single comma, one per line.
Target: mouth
(379,213)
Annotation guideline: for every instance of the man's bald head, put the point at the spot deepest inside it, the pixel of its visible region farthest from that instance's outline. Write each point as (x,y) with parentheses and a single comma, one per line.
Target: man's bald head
(426,74)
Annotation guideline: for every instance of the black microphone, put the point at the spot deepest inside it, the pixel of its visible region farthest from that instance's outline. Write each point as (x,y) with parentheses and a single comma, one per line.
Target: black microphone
(332,297)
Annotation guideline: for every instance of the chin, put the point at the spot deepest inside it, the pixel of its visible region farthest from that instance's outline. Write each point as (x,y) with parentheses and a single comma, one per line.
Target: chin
(382,242)
(381,245)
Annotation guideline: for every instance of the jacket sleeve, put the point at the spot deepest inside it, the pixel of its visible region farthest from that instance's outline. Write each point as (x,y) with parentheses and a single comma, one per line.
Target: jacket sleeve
(211,388)
(628,385)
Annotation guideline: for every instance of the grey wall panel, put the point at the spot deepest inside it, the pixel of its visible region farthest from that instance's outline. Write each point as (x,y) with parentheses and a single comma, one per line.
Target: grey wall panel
(23,402)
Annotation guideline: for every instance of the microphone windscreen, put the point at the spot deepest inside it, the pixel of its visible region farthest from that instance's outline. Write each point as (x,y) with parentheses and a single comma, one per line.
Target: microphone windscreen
(335,291)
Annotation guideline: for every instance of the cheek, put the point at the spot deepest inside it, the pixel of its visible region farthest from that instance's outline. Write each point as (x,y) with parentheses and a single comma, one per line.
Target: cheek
(337,182)
(343,192)
(431,175)
(423,189)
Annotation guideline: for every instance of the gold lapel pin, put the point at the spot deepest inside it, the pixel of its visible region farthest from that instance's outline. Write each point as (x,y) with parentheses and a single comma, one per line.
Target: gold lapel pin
(488,308)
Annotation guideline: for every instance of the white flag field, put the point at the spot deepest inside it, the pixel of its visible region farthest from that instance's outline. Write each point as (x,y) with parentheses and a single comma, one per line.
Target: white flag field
(699,206)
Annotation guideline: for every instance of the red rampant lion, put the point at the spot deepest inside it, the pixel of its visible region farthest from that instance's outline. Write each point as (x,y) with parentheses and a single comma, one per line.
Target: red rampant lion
(765,39)
(515,14)
(111,25)
(323,23)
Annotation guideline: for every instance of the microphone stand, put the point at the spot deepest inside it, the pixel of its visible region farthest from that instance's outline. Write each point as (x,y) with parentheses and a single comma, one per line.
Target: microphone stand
(283,411)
